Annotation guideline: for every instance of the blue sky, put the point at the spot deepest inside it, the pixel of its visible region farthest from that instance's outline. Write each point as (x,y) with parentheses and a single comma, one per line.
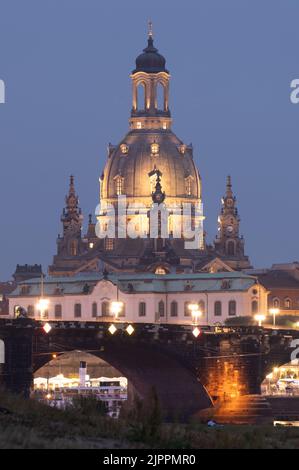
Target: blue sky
(66,66)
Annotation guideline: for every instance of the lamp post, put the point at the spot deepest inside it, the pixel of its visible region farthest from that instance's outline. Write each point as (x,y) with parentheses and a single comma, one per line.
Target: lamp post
(260,318)
(274,312)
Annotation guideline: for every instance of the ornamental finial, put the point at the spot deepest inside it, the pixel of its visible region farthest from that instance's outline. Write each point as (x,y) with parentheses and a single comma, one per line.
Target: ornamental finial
(150,29)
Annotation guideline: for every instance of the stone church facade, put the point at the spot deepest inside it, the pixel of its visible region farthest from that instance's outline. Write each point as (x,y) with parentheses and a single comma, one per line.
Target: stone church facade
(149,165)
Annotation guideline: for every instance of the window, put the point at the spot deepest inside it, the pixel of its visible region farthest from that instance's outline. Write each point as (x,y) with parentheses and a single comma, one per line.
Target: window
(231,251)
(105,309)
(30,310)
(94,310)
(188,182)
(161,308)
(218,308)
(141,96)
(254,306)
(119,185)
(142,309)
(174,309)
(187,311)
(124,149)
(77,311)
(160,97)
(232,308)
(287,303)
(58,311)
(122,313)
(276,303)
(109,244)
(155,148)
(160,270)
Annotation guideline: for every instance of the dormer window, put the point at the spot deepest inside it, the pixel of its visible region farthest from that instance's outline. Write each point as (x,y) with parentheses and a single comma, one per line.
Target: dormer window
(188,183)
(124,149)
(155,148)
(182,149)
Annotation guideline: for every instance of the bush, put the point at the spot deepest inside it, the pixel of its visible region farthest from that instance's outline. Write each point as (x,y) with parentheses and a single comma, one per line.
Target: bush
(240,321)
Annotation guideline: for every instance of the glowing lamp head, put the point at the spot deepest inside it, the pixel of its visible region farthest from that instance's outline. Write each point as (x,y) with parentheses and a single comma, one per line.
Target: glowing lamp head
(116,308)
(274,311)
(260,318)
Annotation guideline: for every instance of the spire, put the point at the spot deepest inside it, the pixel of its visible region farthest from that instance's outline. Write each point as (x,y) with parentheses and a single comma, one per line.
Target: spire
(71,200)
(71,213)
(229,192)
(150,29)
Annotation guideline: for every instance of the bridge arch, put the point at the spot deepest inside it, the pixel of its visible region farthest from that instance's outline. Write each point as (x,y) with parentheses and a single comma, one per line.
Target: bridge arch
(179,391)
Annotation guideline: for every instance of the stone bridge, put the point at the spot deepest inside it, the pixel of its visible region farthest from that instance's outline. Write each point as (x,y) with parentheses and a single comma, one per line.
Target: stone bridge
(188,373)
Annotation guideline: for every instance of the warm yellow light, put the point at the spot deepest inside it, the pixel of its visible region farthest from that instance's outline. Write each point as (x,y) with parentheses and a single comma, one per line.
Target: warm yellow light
(274,311)
(112,329)
(260,318)
(130,330)
(155,149)
(196,332)
(54,356)
(42,305)
(48,396)
(116,307)
(91,245)
(269,377)
(47,328)
(138,125)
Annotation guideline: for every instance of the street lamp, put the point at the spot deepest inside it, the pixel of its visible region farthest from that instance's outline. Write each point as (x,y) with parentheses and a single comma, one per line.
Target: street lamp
(115,308)
(195,312)
(274,312)
(42,306)
(260,318)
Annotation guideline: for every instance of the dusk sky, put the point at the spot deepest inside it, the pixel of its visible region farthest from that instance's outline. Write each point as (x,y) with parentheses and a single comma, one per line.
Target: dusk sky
(66,66)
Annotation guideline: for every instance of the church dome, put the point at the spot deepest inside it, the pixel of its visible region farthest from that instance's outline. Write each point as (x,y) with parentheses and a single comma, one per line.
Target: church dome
(134,160)
(150,61)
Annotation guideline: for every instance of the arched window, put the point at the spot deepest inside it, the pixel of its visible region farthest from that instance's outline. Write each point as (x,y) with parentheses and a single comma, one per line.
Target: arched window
(232,308)
(287,303)
(142,309)
(141,96)
(231,248)
(188,183)
(58,311)
(174,309)
(160,97)
(160,270)
(276,302)
(77,310)
(30,310)
(218,308)
(161,308)
(254,306)
(119,185)
(187,311)
(105,309)
(94,310)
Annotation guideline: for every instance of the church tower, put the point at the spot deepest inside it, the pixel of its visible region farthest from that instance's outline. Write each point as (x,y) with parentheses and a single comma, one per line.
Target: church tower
(229,245)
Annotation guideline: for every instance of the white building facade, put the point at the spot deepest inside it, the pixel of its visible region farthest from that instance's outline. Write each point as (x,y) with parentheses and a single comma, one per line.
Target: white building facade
(144,298)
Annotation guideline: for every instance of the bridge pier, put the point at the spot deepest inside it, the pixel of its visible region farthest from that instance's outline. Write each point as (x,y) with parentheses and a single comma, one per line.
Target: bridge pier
(16,371)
